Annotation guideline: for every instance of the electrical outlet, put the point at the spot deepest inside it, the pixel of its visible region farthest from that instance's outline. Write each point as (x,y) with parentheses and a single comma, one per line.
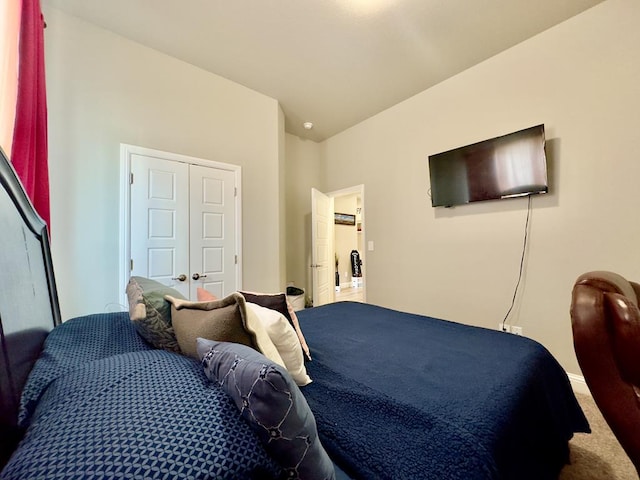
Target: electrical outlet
(516,330)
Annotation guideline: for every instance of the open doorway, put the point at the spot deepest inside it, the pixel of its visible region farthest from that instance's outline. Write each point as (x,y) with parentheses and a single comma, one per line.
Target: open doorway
(346,249)
(349,245)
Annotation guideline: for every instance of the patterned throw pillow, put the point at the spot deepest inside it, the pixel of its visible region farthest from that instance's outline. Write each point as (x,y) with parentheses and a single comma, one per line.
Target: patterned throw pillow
(151,313)
(268,398)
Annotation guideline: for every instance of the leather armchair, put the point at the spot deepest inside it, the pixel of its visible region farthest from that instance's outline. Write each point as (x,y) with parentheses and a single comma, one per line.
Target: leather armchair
(606,335)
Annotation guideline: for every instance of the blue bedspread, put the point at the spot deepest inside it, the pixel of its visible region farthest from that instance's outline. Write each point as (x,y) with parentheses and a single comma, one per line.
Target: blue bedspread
(100,403)
(404,396)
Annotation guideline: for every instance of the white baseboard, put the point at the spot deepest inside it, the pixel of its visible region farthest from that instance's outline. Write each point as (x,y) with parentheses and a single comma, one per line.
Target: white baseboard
(578,384)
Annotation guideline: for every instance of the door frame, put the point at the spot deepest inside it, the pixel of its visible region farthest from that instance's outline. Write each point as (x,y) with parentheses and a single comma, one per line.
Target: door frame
(124,248)
(359,190)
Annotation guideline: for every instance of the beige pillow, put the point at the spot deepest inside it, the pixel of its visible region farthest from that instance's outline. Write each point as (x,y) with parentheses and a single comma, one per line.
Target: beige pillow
(284,337)
(224,320)
(267,346)
(279,303)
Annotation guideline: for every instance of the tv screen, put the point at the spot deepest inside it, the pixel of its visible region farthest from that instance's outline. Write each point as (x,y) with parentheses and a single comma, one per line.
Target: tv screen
(509,166)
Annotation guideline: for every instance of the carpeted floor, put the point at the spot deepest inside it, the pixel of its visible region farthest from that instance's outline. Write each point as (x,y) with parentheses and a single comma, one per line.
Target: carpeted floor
(597,456)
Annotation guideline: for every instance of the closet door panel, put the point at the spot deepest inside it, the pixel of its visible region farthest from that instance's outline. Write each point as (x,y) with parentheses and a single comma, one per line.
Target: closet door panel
(160,220)
(213,232)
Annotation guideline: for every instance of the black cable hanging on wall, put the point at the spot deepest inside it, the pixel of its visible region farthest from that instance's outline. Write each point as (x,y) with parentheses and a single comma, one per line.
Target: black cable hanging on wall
(524,250)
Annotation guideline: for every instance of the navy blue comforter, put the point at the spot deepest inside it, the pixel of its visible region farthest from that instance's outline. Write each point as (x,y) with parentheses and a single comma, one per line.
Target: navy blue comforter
(403,396)
(100,403)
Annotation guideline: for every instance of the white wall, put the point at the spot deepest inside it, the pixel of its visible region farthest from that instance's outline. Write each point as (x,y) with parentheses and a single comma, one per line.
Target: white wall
(582,80)
(104,90)
(304,171)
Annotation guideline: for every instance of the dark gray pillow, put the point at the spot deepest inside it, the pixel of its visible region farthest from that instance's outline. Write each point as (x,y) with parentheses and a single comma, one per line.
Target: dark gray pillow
(272,403)
(151,313)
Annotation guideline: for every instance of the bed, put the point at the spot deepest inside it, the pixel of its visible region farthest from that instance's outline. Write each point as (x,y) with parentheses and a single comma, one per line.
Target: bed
(394,395)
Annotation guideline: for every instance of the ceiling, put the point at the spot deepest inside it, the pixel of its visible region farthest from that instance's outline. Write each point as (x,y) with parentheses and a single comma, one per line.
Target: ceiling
(330,62)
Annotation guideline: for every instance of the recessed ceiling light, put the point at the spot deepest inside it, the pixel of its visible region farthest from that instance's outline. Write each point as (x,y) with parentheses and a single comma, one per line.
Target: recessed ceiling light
(367,7)
(307,125)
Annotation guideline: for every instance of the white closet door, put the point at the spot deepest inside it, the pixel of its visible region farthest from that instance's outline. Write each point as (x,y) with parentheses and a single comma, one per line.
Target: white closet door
(160,221)
(184,224)
(213,234)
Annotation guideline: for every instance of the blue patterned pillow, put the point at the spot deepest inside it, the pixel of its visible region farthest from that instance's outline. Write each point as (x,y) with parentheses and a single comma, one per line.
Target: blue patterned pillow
(272,403)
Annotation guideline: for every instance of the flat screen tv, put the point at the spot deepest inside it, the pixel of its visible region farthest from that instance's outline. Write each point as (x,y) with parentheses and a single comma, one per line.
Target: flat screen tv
(512,165)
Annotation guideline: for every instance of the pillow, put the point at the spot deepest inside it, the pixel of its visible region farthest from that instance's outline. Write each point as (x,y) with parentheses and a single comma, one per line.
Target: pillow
(270,401)
(296,326)
(151,313)
(279,303)
(205,295)
(285,339)
(225,320)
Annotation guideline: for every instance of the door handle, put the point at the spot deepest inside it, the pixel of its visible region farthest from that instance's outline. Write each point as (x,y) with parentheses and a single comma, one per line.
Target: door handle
(181,278)
(196,276)
(315,266)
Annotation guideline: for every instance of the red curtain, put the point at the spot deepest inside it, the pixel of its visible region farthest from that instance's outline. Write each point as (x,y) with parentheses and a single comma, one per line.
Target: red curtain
(29,151)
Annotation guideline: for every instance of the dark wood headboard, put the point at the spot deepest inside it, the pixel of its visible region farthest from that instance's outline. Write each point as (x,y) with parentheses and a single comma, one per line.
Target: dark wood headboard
(29,306)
